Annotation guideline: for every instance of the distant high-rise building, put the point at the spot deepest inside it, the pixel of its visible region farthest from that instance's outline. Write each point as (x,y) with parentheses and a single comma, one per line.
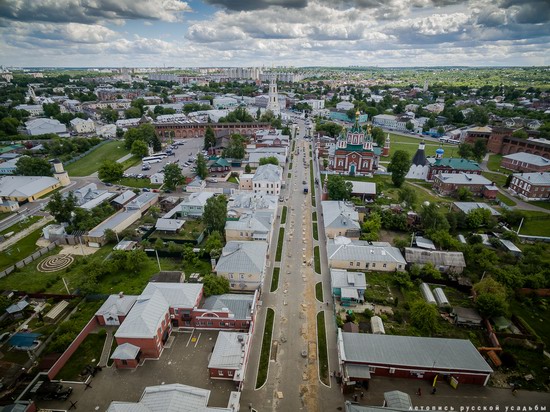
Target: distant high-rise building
(273,103)
(425,88)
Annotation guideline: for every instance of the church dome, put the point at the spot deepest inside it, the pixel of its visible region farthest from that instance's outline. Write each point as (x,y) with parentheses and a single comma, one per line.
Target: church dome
(439,151)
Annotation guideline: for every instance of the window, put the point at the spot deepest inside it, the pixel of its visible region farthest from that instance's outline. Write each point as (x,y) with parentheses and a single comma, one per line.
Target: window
(371,369)
(229,373)
(209,323)
(351,263)
(220,373)
(124,362)
(231,276)
(384,265)
(358,263)
(241,275)
(373,265)
(392,370)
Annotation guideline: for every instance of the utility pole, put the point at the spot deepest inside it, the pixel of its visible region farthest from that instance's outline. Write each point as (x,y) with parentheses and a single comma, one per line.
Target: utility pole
(66,287)
(158,260)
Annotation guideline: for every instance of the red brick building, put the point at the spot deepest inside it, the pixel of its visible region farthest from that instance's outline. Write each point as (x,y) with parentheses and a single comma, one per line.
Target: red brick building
(525,162)
(502,142)
(354,153)
(184,130)
(447,184)
(531,186)
(230,356)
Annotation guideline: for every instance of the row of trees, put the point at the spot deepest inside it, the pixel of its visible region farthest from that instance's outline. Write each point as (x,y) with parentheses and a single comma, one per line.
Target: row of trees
(144,133)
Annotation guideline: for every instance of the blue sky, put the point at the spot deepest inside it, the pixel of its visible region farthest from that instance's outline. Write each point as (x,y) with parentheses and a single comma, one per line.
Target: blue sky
(156,33)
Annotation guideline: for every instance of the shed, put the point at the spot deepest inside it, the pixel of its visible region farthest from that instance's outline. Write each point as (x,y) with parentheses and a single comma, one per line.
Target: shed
(397,400)
(467,316)
(510,247)
(427,293)
(424,243)
(377,326)
(440,298)
(56,312)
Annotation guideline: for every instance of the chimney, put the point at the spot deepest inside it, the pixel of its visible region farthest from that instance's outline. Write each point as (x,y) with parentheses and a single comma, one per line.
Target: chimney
(120,295)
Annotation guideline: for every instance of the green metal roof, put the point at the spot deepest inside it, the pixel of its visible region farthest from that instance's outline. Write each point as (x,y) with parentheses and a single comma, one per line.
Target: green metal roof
(458,163)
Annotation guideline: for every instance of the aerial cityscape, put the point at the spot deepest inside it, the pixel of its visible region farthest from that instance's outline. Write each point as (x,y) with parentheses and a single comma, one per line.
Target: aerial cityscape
(274,205)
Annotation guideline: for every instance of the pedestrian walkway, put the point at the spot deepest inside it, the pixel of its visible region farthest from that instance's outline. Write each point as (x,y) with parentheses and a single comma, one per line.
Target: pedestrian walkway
(106,347)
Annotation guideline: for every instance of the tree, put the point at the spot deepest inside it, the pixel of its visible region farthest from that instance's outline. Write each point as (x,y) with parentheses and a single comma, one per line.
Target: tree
(247,169)
(9,125)
(132,113)
(61,208)
(269,160)
(173,176)
(424,317)
(465,150)
(33,166)
(110,171)
(491,297)
(330,128)
(215,214)
(110,236)
(214,244)
(108,114)
(440,130)
(139,148)
(399,166)
(479,150)
(338,188)
(479,217)
(408,195)
(139,104)
(370,229)
(135,260)
(409,125)
(464,194)
(433,219)
(520,133)
(215,285)
(378,136)
(51,109)
(209,138)
(200,167)
(235,148)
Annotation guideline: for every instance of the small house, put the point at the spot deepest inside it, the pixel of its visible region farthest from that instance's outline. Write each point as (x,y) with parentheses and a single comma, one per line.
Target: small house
(466,316)
(348,287)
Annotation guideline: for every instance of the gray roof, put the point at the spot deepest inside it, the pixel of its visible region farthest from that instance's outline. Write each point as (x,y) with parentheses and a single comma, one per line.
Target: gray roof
(117,305)
(17,307)
(269,172)
(124,197)
(25,186)
(397,399)
(411,351)
(463,178)
(142,199)
(125,351)
(468,206)
(229,350)
(169,225)
(242,257)
(183,295)
(145,317)
(528,158)
(510,246)
(424,243)
(112,222)
(367,188)
(340,278)
(342,248)
(238,304)
(169,398)
(534,178)
(338,214)
(258,221)
(436,257)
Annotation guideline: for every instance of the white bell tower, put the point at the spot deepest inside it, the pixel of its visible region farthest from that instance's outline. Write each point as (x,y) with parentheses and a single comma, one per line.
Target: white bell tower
(273,103)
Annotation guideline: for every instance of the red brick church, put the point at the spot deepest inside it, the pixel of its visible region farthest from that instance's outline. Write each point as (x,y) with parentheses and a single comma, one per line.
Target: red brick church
(354,153)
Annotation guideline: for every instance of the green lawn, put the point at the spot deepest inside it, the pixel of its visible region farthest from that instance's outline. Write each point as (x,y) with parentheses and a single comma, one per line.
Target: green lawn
(22,225)
(133,161)
(493,164)
(317,259)
(319,291)
(275,279)
(289,175)
(137,183)
(500,180)
(536,224)
(410,145)
(314,216)
(505,199)
(20,250)
(90,164)
(541,203)
(233,179)
(4,215)
(266,348)
(315,231)
(280,241)
(88,351)
(536,313)
(283,215)
(322,348)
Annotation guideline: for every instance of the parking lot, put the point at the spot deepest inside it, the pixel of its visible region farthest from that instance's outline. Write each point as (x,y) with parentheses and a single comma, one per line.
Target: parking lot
(182,153)
(185,362)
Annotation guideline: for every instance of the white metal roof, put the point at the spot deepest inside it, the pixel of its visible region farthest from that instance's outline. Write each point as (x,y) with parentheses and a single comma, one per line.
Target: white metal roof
(229,351)
(126,351)
(145,317)
(359,250)
(242,257)
(169,225)
(466,207)
(534,178)
(240,305)
(125,197)
(528,158)
(269,172)
(25,186)
(183,295)
(118,305)
(338,214)
(367,188)
(340,278)
(463,178)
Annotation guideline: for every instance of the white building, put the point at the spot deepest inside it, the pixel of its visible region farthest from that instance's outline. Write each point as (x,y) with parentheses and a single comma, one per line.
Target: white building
(82,126)
(243,264)
(33,109)
(389,121)
(269,179)
(344,106)
(43,126)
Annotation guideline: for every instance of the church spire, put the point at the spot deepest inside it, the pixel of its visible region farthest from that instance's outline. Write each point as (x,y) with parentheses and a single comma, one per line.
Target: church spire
(273,103)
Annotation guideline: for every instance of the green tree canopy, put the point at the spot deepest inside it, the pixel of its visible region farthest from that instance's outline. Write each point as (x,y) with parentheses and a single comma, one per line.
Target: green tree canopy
(215,285)
(235,148)
(432,218)
(110,171)
(491,297)
(269,160)
(209,138)
(408,195)
(139,148)
(338,188)
(33,166)
(330,128)
(424,317)
(172,176)
(214,244)
(247,169)
(200,167)
(215,214)
(399,167)
(61,208)
(378,136)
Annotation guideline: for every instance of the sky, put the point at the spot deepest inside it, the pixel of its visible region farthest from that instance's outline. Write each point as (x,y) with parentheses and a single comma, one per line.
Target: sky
(230,33)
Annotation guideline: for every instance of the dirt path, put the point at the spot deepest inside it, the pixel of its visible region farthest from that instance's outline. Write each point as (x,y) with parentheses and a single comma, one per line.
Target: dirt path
(18,236)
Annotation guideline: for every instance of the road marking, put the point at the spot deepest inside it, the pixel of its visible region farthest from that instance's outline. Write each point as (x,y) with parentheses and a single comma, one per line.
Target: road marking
(190,337)
(197,342)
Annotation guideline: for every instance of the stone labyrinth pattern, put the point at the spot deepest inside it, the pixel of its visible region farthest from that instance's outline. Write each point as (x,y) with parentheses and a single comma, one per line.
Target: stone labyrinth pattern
(55,263)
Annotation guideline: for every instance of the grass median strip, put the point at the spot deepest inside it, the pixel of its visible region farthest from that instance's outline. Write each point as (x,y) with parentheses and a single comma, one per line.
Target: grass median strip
(280,245)
(263,367)
(315,232)
(319,291)
(283,216)
(317,259)
(275,279)
(322,348)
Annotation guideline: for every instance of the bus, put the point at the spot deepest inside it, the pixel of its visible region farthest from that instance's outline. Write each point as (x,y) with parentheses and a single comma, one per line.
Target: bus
(152,159)
(161,155)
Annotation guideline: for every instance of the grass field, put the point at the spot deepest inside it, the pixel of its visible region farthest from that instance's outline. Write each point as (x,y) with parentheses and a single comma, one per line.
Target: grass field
(137,183)
(410,145)
(499,179)
(493,163)
(22,225)
(20,250)
(506,200)
(317,259)
(536,224)
(90,164)
(280,240)
(88,350)
(266,348)
(319,291)
(541,203)
(322,348)
(283,215)
(315,231)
